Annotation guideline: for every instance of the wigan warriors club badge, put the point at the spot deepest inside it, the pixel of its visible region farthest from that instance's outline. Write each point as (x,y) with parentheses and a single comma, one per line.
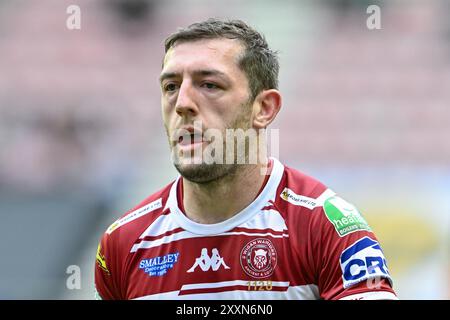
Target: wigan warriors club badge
(259,258)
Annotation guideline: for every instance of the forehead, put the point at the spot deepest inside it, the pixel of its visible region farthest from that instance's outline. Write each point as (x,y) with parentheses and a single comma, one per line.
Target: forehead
(220,54)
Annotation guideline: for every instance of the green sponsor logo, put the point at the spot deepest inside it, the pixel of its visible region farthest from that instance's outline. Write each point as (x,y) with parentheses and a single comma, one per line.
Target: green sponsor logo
(344,216)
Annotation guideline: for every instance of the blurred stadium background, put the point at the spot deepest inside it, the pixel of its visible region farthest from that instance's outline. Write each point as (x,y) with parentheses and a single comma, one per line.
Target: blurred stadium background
(81,140)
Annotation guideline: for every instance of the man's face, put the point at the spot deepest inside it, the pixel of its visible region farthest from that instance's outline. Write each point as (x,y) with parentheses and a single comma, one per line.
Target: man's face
(201,82)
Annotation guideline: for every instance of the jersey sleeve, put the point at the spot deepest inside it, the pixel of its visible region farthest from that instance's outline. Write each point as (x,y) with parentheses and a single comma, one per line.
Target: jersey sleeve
(107,271)
(350,263)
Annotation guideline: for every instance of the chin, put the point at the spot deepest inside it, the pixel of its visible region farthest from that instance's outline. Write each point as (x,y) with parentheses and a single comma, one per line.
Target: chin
(204,173)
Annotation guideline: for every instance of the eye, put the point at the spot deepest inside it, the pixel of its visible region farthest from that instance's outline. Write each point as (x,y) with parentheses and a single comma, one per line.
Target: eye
(170,87)
(210,85)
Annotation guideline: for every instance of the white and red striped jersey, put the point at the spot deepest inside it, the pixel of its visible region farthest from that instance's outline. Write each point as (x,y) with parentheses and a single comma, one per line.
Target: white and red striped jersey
(296,240)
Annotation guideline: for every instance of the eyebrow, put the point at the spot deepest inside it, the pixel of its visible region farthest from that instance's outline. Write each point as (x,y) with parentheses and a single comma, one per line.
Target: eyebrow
(168,75)
(203,72)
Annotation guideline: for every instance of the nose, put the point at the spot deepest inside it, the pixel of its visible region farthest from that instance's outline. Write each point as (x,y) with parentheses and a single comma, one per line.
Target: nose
(185,105)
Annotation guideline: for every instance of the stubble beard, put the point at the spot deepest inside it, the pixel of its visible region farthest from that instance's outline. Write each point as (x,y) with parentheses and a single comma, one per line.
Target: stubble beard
(204,173)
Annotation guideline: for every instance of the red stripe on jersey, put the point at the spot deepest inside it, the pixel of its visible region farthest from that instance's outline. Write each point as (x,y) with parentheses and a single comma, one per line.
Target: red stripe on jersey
(224,289)
(269,207)
(266,230)
(162,235)
(165,212)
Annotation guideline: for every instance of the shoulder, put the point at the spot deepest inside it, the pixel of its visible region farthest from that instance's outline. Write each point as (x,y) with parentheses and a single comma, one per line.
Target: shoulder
(118,239)
(300,197)
(130,225)
(301,190)
(332,236)
(304,197)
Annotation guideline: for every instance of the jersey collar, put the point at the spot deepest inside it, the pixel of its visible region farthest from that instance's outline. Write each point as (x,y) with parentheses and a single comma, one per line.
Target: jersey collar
(268,193)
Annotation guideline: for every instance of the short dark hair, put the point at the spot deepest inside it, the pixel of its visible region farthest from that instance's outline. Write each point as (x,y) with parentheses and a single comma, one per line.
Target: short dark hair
(258,61)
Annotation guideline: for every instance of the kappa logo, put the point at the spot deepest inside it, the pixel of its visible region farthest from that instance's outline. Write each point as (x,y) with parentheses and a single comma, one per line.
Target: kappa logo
(205,262)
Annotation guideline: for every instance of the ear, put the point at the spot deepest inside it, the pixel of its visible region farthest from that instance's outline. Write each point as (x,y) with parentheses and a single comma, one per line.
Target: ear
(265,108)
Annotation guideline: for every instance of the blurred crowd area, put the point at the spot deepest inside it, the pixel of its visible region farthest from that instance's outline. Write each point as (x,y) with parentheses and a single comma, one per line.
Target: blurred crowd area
(80,119)
(87,101)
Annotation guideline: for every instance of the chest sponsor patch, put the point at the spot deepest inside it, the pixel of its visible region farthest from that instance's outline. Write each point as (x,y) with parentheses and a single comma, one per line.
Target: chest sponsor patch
(344,216)
(158,266)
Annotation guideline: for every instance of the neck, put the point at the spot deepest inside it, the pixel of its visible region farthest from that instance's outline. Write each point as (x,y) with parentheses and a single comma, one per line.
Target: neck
(223,198)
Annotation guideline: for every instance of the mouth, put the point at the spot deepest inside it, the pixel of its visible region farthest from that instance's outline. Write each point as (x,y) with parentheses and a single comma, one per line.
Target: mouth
(188,137)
